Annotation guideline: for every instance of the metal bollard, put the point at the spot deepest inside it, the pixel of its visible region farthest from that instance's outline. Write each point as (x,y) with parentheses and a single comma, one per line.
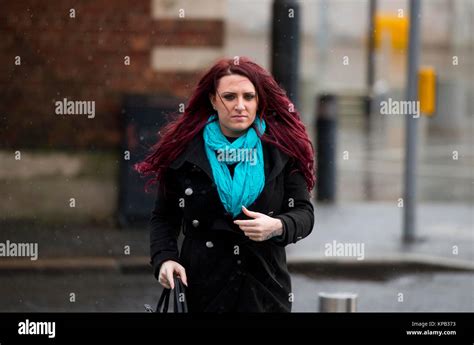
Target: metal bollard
(337,302)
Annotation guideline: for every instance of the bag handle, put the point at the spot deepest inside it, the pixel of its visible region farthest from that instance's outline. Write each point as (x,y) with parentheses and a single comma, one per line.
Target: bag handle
(179,298)
(163,303)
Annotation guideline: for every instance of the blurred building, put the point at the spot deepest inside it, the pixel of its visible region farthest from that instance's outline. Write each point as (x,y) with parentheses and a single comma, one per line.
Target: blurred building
(96,51)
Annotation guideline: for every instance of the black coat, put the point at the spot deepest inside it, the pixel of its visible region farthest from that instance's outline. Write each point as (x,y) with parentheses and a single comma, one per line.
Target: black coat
(226,270)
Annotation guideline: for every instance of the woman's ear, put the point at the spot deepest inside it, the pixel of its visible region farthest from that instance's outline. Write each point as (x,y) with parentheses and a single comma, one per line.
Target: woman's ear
(212,99)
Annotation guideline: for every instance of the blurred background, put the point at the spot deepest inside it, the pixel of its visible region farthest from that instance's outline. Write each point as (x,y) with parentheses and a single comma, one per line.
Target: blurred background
(66,182)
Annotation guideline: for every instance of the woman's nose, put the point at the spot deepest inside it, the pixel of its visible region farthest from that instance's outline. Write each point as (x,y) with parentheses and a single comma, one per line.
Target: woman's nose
(240,105)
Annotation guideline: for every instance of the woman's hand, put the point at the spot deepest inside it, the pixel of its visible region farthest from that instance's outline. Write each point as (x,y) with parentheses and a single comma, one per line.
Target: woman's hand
(261,227)
(167,269)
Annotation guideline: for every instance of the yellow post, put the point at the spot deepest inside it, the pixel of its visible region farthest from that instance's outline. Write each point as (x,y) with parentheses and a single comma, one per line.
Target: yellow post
(427,90)
(396,26)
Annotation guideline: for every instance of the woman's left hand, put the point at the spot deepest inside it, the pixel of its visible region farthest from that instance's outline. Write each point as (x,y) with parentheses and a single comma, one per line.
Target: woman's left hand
(261,227)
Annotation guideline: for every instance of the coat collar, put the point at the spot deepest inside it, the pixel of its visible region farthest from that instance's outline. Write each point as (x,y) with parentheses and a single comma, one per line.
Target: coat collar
(275,159)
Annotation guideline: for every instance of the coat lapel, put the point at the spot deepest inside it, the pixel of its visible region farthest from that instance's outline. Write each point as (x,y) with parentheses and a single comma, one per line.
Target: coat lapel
(194,154)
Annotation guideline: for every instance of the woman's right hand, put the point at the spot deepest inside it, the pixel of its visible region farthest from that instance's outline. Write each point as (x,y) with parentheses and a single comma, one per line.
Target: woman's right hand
(167,270)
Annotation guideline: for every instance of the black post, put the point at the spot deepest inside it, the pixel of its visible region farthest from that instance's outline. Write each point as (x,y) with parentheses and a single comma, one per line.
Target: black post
(368,107)
(285,46)
(371,46)
(326,139)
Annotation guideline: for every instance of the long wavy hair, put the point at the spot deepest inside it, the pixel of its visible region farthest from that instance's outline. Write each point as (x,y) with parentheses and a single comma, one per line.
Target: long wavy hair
(284,129)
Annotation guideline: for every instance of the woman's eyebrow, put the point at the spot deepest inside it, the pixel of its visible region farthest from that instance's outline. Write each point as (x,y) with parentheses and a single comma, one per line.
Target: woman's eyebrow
(234,93)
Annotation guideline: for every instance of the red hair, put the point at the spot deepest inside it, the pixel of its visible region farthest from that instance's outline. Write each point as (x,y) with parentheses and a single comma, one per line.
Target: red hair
(284,128)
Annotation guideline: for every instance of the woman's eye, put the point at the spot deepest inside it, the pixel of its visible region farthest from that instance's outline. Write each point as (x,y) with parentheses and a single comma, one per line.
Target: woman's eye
(232,97)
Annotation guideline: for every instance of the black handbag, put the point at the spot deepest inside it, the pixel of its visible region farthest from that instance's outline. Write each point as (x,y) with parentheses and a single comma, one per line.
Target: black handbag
(179,299)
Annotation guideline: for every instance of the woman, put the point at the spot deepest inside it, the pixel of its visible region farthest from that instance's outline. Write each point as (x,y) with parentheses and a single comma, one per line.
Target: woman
(235,173)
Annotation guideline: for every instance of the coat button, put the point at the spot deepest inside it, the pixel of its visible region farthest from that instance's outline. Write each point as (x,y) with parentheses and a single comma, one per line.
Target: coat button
(270,213)
(195,223)
(239,262)
(209,244)
(188,191)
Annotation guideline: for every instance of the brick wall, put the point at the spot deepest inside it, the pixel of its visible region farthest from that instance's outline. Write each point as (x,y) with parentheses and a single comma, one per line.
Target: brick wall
(83,58)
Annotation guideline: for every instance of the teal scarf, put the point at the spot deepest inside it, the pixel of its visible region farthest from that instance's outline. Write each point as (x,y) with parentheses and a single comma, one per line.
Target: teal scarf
(249,175)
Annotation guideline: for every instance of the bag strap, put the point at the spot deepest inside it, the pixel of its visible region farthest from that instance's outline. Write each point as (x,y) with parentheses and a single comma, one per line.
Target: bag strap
(163,303)
(179,306)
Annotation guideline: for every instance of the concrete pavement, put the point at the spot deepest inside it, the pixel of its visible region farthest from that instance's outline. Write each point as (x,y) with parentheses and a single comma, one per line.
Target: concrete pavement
(445,236)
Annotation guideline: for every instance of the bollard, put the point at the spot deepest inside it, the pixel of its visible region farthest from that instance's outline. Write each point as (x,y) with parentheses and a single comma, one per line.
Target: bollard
(337,302)
(326,130)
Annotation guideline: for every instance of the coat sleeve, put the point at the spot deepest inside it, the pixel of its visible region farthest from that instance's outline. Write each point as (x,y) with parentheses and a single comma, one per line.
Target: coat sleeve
(164,229)
(298,212)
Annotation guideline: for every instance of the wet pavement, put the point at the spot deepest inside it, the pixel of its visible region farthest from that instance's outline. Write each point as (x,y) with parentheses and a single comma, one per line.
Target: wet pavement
(98,292)
(445,233)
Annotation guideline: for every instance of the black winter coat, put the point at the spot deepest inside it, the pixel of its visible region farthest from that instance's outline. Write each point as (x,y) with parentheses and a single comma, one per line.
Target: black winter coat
(226,271)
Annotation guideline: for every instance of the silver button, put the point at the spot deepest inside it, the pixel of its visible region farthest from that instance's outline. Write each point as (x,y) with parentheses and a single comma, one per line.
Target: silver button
(195,223)
(270,213)
(188,191)
(209,244)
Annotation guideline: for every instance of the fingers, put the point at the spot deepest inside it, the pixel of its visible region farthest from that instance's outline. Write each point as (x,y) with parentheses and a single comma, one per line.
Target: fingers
(249,223)
(253,230)
(169,276)
(182,274)
(254,235)
(166,276)
(251,213)
(163,280)
(250,229)
(256,238)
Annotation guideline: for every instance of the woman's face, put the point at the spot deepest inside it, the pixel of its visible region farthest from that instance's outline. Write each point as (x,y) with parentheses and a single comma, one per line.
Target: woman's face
(236,104)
